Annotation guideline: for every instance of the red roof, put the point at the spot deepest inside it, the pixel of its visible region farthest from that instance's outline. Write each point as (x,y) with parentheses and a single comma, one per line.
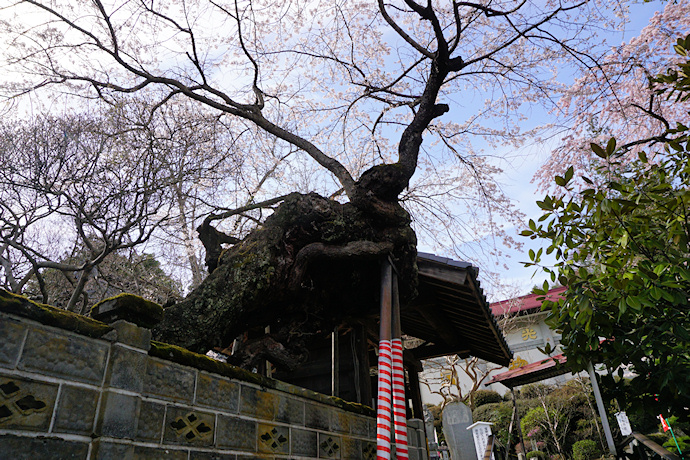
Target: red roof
(530,373)
(525,303)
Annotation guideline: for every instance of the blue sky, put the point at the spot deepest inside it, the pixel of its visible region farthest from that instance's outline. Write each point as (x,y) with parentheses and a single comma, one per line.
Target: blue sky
(517,179)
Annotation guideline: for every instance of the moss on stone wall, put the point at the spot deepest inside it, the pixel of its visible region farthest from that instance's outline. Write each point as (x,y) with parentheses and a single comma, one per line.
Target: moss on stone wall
(128,307)
(185,357)
(51,316)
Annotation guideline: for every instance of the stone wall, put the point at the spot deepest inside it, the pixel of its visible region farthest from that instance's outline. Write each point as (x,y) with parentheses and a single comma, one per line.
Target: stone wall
(105,393)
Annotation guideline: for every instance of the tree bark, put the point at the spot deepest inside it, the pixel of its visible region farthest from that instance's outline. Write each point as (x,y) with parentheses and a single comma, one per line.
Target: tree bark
(309,267)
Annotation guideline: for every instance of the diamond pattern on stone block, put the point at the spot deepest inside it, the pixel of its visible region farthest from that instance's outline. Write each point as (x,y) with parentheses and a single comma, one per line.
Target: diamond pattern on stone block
(330,447)
(369,451)
(190,427)
(273,439)
(17,403)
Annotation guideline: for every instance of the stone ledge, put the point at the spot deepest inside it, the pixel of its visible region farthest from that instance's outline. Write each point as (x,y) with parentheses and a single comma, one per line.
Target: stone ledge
(185,357)
(51,316)
(128,307)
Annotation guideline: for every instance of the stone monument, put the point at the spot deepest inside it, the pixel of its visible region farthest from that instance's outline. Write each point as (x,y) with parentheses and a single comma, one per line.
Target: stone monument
(456,418)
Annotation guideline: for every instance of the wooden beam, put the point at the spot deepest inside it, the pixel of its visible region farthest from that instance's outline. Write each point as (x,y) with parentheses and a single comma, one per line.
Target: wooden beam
(416,395)
(385,332)
(442,272)
(434,351)
(361,364)
(442,325)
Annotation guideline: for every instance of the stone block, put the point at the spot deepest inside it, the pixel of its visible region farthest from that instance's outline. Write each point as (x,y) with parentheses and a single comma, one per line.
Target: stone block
(105,450)
(118,415)
(304,443)
(169,381)
(368,450)
(351,448)
(340,421)
(317,416)
(129,307)
(413,453)
(76,410)
(132,335)
(26,404)
(64,355)
(12,333)
(290,410)
(126,369)
(41,448)
(236,433)
(372,428)
(258,403)
(150,422)
(188,427)
(412,439)
(158,453)
(330,446)
(359,426)
(210,456)
(273,439)
(416,423)
(217,392)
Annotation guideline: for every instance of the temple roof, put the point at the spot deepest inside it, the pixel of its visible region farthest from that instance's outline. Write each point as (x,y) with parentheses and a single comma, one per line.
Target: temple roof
(534,372)
(451,313)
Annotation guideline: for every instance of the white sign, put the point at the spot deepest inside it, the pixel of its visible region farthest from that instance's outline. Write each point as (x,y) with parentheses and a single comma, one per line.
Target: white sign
(481,432)
(624,423)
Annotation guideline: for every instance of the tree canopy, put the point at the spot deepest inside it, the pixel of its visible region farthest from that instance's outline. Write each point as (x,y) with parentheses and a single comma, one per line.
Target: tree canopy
(622,250)
(350,88)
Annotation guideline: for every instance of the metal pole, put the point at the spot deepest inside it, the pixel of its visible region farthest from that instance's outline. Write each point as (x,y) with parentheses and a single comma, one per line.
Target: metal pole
(519,426)
(335,362)
(602,410)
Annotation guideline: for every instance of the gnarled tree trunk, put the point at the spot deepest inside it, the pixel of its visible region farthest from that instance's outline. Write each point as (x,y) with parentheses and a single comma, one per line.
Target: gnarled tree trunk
(312,264)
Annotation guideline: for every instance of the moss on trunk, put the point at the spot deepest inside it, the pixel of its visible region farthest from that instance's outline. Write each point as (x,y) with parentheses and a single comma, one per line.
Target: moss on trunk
(309,267)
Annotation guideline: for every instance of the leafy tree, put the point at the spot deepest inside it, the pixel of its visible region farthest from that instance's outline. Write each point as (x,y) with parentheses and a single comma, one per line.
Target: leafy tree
(553,418)
(622,250)
(586,449)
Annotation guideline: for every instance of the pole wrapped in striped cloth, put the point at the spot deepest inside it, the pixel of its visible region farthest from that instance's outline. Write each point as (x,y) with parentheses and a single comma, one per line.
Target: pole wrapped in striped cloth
(385,397)
(399,401)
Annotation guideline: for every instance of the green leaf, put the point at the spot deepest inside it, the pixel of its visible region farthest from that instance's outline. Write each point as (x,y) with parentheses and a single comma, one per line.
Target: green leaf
(598,151)
(569,174)
(634,303)
(611,147)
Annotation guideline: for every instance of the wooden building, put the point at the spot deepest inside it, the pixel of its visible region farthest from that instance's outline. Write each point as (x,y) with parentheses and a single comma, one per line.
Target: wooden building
(449,316)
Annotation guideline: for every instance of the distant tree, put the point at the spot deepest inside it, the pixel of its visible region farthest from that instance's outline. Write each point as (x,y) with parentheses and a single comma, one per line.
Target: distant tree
(456,379)
(69,183)
(123,271)
(622,249)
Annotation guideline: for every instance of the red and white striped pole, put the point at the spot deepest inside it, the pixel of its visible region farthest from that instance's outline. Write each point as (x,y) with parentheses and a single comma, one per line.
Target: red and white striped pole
(385,382)
(391,381)
(383,411)
(399,400)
